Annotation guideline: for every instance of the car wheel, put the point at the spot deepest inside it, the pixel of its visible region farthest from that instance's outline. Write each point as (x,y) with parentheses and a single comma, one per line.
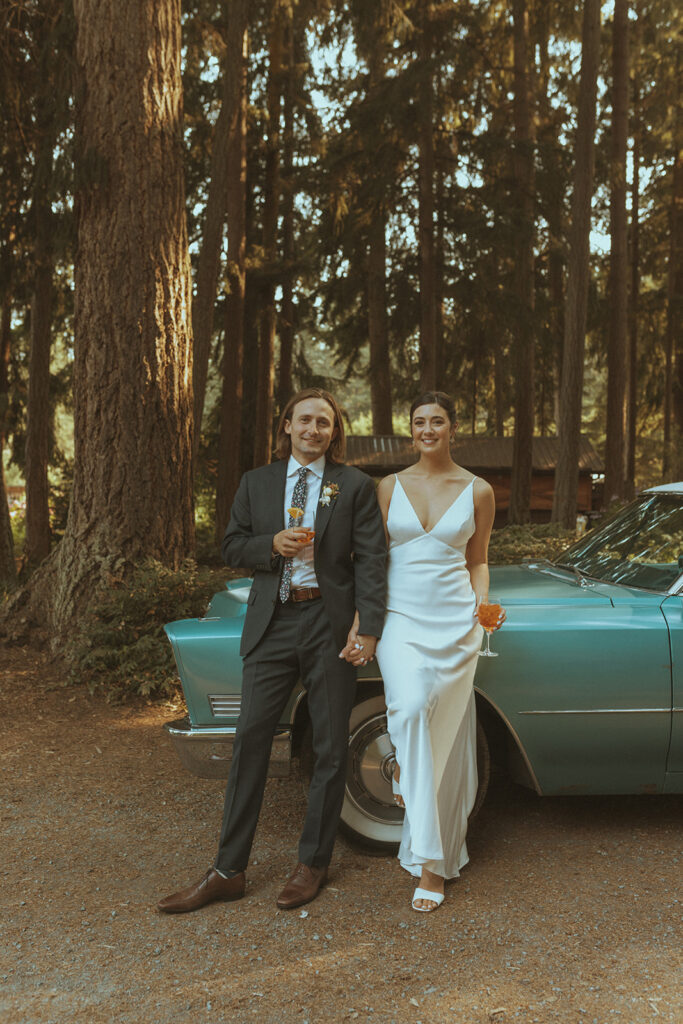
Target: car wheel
(369,815)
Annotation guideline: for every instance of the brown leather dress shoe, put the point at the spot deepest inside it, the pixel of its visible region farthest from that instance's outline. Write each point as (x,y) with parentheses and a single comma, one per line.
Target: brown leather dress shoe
(302,887)
(210,888)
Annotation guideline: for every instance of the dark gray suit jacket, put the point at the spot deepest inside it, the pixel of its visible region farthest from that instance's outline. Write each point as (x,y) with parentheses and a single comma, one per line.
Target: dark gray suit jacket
(350,549)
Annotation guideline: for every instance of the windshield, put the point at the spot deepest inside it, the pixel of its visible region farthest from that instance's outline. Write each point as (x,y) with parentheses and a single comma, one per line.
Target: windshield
(641,546)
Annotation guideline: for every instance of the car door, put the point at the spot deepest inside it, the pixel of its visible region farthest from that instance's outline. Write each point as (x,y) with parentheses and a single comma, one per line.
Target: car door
(673,613)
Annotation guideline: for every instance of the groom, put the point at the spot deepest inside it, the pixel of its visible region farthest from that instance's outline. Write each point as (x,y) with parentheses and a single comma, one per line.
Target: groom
(315,611)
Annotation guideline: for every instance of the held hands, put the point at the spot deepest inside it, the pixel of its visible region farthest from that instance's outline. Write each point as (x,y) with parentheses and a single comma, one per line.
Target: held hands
(288,543)
(359,648)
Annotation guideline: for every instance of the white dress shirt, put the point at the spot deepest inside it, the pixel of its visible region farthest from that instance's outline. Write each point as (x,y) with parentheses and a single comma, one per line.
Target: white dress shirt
(303,569)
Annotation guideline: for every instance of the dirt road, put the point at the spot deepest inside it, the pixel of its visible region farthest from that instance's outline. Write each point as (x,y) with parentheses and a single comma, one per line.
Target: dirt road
(570,909)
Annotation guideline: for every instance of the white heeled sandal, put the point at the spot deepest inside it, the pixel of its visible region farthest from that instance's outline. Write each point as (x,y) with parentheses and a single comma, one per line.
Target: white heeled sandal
(425,894)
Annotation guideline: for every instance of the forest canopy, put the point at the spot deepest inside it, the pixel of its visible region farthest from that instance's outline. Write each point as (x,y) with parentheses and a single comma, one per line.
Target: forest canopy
(207,207)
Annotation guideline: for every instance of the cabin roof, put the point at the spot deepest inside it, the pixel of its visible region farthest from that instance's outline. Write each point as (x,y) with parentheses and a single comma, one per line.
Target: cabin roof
(392,451)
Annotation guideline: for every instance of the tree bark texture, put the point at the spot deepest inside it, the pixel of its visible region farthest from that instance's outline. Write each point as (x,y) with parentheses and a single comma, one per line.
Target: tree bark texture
(263,426)
(634,298)
(571,393)
(617,341)
(38,407)
(208,266)
(8,570)
(426,240)
(555,199)
(132,488)
(523,161)
(673,393)
(380,372)
(287,330)
(229,464)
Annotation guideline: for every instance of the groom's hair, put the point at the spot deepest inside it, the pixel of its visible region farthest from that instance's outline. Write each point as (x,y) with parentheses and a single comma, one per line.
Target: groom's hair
(283,444)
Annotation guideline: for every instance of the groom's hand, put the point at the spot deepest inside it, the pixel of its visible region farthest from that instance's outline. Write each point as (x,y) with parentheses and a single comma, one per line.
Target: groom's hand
(288,542)
(359,649)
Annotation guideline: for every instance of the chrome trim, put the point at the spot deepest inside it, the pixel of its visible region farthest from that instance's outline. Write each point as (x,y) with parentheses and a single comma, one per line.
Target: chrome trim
(223,706)
(602,711)
(207,752)
(513,733)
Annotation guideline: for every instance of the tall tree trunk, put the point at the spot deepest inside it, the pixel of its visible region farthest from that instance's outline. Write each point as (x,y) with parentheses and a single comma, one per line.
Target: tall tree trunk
(634,297)
(38,406)
(673,392)
(378,334)
(617,344)
(208,265)
(229,463)
(427,254)
(284,384)
(567,473)
(445,152)
(8,570)
(523,157)
(252,306)
(38,416)
(380,373)
(498,384)
(132,488)
(263,426)
(555,219)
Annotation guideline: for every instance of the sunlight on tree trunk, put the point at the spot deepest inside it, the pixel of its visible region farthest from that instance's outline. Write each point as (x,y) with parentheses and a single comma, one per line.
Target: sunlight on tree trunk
(8,570)
(132,492)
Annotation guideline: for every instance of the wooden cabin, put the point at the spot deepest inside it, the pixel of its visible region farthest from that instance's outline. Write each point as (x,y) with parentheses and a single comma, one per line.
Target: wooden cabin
(490,458)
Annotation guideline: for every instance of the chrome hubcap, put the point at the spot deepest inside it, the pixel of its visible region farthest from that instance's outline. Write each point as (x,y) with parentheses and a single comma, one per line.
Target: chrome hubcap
(370,767)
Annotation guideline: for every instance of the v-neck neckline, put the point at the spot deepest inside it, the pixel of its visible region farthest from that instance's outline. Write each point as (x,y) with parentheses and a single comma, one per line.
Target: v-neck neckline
(443,514)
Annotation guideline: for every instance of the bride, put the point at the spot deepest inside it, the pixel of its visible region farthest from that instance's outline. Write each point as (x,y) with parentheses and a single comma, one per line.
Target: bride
(438,519)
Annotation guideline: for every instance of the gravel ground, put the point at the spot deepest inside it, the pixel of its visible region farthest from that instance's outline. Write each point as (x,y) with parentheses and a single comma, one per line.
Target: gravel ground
(569,911)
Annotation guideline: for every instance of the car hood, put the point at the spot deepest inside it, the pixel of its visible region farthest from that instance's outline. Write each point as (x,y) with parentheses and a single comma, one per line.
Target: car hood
(543,584)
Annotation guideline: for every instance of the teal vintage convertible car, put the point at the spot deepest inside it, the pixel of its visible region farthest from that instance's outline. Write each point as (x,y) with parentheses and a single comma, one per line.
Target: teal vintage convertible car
(585,697)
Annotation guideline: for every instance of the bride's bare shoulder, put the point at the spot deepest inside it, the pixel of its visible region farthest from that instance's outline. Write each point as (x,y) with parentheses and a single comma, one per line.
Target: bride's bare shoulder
(385,489)
(483,492)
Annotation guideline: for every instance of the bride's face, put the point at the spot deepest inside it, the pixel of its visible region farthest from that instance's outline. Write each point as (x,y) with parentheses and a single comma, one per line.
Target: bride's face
(431,429)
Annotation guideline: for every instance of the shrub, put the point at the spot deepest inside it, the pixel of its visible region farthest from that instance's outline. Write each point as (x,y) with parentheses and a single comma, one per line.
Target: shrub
(539,540)
(121,648)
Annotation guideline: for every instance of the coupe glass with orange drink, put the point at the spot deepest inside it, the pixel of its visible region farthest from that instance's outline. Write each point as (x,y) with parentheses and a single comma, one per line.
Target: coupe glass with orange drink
(488,614)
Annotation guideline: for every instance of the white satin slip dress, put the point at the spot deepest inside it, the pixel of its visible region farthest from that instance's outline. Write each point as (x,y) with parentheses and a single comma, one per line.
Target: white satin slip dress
(427,656)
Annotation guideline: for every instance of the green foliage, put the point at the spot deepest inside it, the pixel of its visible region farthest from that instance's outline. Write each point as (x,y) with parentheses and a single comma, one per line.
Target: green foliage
(540,540)
(121,649)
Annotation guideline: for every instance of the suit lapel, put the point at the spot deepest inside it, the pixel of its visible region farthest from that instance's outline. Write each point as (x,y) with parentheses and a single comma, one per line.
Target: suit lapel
(332,474)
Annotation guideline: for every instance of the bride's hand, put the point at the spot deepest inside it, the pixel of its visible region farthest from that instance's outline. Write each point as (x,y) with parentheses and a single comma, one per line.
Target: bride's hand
(359,649)
(501,618)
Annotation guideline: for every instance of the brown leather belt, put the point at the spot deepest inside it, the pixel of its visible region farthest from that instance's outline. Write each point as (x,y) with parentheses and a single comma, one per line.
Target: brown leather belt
(303,593)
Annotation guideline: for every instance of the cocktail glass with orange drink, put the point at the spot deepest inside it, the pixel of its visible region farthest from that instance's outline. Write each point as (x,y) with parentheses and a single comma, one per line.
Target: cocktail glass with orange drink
(489,613)
(304,521)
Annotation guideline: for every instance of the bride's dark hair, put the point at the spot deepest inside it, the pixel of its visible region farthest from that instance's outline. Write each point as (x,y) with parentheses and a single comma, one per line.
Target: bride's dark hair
(434,398)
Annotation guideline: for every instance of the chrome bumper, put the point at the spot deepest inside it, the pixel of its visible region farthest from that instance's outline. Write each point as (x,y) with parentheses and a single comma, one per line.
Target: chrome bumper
(207,752)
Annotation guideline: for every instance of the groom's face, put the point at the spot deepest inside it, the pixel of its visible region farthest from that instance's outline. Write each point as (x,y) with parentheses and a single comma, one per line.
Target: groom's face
(311,429)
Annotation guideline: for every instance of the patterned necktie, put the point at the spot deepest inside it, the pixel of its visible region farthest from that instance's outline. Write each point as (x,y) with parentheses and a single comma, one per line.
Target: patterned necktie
(298,501)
